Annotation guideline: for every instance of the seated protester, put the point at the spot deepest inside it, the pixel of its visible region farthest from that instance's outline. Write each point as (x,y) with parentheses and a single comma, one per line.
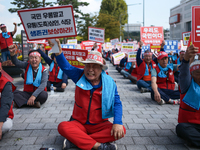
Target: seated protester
(162,81)
(126,69)
(96,100)
(144,69)
(56,75)
(35,80)
(133,73)
(6,104)
(178,62)
(122,63)
(189,113)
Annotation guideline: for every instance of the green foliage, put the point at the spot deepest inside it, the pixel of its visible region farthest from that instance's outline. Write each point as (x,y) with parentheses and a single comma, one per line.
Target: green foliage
(28,4)
(110,24)
(117,8)
(89,21)
(18,38)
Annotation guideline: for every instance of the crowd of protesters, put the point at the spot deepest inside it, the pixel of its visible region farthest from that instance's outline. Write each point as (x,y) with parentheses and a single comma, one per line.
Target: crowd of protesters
(96,95)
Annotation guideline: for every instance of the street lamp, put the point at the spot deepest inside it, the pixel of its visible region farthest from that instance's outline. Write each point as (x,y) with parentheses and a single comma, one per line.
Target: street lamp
(127,13)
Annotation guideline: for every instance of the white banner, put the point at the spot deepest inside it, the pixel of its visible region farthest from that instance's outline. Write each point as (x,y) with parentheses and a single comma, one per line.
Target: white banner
(72,41)
(127,47)
(117,57)
(186,37)
(50,22)
(96,34)
(114,41)
(132,56)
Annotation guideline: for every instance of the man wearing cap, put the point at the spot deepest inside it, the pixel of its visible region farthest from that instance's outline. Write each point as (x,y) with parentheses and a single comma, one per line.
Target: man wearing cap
(189,113)
(35,80)
(6,104)
(6,39)
(178,62)
(96,100)
(162,81)
(56,75)
(144,69)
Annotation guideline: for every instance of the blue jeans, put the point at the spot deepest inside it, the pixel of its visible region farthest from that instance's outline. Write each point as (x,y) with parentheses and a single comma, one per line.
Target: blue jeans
(144,84)
(125,73)
(166,94)
(4,55)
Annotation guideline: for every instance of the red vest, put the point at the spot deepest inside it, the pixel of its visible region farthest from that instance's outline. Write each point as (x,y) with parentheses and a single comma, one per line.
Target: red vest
(188,114)
(6,42)
(141,69)
(30,87)
(165,83)
(3,82)
(87,107)
(53,74)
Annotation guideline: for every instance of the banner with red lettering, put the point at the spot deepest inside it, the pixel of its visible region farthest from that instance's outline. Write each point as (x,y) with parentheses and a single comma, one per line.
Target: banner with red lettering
(48,23)
(151,35)
(72,54)
(89,44)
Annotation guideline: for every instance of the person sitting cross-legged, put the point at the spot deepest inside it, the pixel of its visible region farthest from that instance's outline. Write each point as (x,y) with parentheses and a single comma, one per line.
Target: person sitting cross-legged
(96,100)
(162,81)
(35,80)
(56,75)
(189,112)
(144,69)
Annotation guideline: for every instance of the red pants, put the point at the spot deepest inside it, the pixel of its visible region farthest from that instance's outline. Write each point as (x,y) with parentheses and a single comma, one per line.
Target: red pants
(85,136)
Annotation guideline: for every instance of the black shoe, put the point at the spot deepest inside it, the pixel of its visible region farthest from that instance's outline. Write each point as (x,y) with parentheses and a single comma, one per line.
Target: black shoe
(67,145)
(36,105)
(107,146)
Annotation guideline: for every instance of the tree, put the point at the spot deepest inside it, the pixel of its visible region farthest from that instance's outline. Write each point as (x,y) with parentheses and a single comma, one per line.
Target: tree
(89,21)
(117,8)
(28,4)
(110,24)
(17,38)
(78,15)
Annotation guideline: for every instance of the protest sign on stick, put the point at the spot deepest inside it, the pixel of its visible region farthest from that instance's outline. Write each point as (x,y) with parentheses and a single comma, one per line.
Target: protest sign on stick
(96,34)
(48,23)
(117,57)
(186,37)
(195,34)
(72,54)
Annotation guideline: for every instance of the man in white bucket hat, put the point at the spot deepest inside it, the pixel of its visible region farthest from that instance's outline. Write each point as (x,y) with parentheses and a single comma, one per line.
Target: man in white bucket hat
(189,112)
(96,100)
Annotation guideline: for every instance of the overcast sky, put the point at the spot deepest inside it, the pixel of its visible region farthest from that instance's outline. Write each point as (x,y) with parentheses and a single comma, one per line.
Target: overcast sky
(157,12)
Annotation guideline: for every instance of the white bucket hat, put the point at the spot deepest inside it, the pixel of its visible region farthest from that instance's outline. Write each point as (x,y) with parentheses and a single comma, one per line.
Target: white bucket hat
(95,58)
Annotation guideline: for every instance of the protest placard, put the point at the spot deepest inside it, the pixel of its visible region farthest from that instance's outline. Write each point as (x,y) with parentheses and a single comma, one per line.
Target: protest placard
(71,46)
(127,47)
(72,54)
(89,44)
(72,41)
(195,34)
(155,46)
(114,41)
(117,57)
(48,23)
(132,56)
(150,35)
(37,41)
(171,45)
(96,34)
(186,37)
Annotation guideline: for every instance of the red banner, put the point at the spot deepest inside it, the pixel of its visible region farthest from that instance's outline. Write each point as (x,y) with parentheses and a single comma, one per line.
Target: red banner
(151,35)
(87,45)
(195,34)
(72,54)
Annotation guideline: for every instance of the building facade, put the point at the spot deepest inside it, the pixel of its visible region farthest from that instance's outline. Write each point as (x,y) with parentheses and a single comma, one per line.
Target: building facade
(180,18)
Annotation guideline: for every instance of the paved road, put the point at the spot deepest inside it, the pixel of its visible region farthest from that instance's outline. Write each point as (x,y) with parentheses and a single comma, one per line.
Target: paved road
(149,125)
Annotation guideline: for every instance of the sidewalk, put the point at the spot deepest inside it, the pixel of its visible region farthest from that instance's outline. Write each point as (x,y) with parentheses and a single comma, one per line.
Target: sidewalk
(149,125)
